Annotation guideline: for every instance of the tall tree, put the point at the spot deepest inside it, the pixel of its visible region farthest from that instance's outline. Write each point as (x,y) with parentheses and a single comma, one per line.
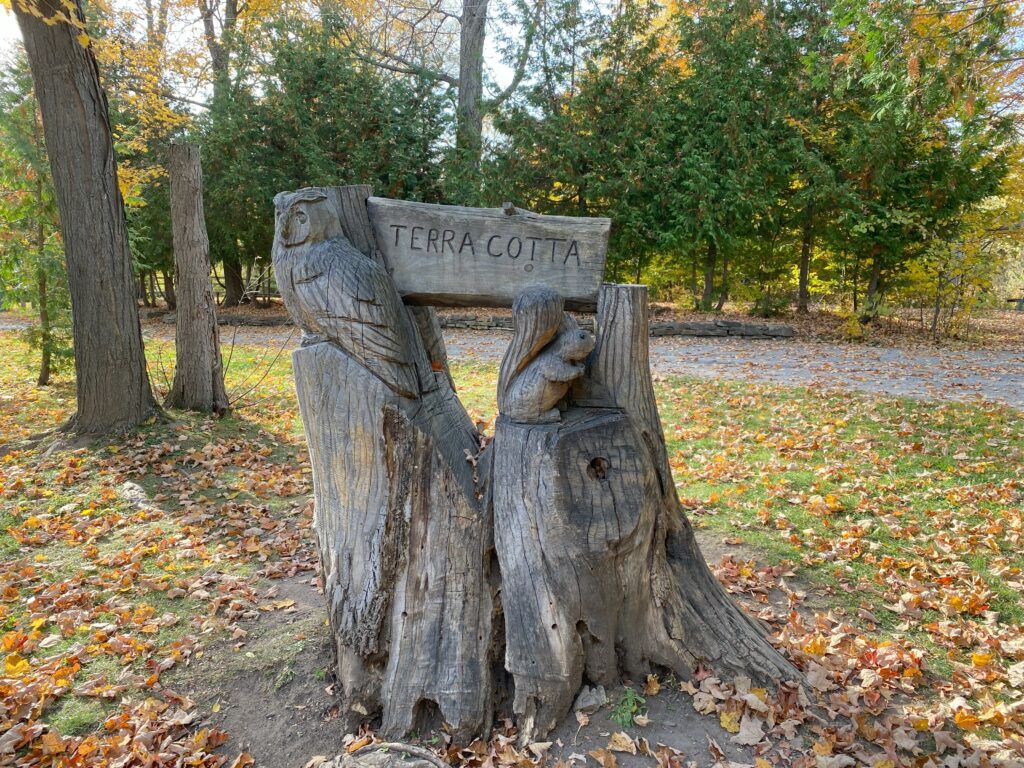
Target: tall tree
(113,390)
(199,368)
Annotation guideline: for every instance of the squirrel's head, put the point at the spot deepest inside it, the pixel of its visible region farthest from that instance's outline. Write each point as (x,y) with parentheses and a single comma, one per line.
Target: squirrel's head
(574,345)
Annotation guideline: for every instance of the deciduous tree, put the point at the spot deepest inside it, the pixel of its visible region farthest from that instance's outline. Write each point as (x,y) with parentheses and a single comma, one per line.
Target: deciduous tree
(113,390)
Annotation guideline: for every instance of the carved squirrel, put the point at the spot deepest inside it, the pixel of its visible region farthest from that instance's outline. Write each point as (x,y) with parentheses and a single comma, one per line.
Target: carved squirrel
(533,395)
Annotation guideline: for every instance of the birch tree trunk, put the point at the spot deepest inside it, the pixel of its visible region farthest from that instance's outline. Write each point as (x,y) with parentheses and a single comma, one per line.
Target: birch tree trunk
(113,390)
(199,370)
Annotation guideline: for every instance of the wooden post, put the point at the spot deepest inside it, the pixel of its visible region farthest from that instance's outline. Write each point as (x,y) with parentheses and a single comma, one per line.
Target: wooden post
(404,538)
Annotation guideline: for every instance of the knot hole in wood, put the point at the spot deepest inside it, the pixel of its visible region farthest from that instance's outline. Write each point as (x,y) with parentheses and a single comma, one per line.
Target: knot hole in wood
(599,468)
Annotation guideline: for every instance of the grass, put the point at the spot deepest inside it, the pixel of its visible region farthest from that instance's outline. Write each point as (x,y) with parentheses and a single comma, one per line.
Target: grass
(902,518)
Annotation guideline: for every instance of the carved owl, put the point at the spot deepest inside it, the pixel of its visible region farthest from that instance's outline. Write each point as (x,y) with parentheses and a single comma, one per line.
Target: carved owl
(335,292)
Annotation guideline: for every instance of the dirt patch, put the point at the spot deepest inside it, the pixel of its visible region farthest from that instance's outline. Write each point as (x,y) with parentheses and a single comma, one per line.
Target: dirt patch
(272,690)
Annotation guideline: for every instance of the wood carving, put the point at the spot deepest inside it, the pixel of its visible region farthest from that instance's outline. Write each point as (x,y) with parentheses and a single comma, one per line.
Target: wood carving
(334,292)
(602,579)
(600,576)
(546,355)
(404,539)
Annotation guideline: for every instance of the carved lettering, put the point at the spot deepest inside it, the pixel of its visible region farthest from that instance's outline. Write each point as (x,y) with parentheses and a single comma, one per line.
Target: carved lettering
(533,245)
(490,240)
(398,230)
(554,242)
(455,256)
(573,251)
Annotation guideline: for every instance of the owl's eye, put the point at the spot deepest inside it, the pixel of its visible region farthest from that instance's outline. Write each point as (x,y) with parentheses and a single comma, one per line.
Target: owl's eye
(300,217)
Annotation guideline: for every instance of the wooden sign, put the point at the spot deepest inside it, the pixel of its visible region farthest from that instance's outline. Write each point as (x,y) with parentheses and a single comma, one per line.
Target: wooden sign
(447,255)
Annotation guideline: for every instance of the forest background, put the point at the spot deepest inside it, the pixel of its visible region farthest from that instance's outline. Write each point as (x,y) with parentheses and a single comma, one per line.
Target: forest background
(861,156)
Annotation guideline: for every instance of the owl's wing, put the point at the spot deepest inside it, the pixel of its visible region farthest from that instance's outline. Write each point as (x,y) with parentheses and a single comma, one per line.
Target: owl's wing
(350,300)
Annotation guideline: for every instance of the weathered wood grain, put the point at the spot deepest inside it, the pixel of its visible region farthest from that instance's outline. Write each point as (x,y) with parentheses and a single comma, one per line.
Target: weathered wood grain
(404,541)
(452,256)
(601,574)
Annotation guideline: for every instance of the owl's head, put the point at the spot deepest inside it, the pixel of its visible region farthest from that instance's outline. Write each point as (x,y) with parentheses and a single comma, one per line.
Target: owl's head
(306,216)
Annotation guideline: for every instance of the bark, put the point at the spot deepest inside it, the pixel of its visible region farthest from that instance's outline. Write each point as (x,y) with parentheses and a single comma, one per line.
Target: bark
(803,297)
(168,290)
(469,114)
(600,576)
(723,293)
(872,295)
(709,275)
(41,288)
(113,390)
(143,290)
(856,282)
(234,285)
(199,370)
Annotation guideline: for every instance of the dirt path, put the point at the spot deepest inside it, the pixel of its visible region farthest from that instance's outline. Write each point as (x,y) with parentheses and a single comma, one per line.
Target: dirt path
(938,374)
(928,373)
(924,373)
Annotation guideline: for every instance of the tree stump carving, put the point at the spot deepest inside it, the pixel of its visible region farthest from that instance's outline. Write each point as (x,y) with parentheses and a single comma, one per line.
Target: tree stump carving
(462,581)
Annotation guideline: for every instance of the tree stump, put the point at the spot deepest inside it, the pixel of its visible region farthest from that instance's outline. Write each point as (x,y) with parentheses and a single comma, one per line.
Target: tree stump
(602,578)
(464,583)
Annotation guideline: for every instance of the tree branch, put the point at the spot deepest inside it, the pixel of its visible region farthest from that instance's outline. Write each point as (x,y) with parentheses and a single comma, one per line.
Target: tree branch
(520,70)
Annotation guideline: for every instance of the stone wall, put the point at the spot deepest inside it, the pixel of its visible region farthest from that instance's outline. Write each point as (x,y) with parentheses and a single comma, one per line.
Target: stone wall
(706,328)
(749,330)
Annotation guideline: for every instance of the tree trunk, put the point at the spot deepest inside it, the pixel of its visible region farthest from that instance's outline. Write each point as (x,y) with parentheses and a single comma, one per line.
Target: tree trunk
(45,333)
(113,390)
(169,295)
(234,285)
(199,370)
(803,297)
(872,296)
(602,578)
(143,291)
(600,573)
(44,326)
(469,116)
(723,293)
(404,538)
(709,275)
(937,310)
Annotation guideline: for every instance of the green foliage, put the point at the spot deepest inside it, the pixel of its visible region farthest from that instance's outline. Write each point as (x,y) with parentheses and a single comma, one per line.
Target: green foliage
(304,110)
(31,255)
(722,137)
(629,705)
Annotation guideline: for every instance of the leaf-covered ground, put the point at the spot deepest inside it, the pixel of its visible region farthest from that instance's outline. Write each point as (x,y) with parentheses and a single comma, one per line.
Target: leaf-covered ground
(880,538)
